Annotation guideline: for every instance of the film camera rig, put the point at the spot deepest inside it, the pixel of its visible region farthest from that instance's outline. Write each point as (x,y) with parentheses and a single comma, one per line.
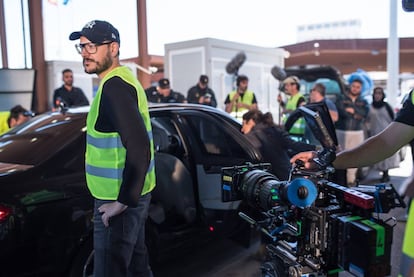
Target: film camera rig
(312,226)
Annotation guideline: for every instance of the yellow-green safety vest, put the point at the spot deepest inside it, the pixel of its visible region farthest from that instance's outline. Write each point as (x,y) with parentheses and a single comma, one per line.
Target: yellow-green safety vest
(407,258)
(298,127)
(105,154)
(247,99)
(4,125)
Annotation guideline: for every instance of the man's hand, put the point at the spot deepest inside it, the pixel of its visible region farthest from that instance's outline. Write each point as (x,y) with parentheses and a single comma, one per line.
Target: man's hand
(109,210)
(350,110)
(306,158)
(279,98)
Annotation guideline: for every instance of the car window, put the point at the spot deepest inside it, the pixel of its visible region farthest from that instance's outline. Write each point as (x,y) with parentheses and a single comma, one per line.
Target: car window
(41,138)
(165,134)
(332,87)
(214,138)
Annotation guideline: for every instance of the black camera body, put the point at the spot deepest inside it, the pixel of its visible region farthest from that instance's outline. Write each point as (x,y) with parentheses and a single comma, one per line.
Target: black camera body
(314,227)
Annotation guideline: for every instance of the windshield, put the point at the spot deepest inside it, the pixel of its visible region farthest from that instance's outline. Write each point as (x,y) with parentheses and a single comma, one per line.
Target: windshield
(40,138)
(332,87)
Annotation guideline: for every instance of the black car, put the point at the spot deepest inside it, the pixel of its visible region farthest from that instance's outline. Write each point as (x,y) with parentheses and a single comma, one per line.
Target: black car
(46,209)
(329,76)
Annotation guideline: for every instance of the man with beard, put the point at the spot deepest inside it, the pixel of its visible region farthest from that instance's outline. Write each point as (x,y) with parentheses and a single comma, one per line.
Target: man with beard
(295,99)
(68,94)
(120,170)
(241,100)
(352,111)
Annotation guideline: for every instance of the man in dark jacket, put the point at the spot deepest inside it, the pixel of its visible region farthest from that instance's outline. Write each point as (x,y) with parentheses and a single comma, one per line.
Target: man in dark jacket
(162,93)
(201,93)
(68,94)
(352,111)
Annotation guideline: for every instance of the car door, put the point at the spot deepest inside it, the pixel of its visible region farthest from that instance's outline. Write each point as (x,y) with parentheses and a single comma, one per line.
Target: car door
(215,141)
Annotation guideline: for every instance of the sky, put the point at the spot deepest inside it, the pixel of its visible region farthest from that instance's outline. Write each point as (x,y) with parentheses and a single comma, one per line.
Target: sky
(267,23)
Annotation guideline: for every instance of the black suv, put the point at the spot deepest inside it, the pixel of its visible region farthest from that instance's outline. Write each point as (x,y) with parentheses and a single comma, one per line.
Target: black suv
(46,209)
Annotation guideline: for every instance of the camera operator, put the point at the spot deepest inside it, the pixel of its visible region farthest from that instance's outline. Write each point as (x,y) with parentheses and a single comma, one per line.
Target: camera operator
(274,143)
(397,134)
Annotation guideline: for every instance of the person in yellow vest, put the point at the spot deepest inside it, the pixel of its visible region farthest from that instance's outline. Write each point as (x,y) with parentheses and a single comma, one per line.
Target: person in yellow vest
(396,135)
(120,171)
(241,100)
(291,87)
(16,116)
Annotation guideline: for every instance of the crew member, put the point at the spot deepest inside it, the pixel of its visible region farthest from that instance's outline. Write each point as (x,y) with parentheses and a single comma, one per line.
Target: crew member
(296,99)
(16,116)
(241,100)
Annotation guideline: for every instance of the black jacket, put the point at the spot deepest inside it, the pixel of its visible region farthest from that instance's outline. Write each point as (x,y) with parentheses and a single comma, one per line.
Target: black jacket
(195,92)
(276,147)
(154,97)
(351,122)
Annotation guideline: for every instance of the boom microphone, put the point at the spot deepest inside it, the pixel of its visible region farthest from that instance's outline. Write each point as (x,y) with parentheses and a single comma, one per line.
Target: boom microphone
(278,72)
(234,65)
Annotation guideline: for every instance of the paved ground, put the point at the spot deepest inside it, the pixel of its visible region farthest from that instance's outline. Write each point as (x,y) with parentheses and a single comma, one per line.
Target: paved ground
(228,259)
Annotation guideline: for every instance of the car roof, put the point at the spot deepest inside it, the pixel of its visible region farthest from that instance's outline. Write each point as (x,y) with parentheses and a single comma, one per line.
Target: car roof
(160,107)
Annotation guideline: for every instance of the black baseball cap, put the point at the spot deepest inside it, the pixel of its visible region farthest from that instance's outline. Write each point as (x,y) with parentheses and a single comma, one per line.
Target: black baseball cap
(164,83)
(204,79)
(97,31)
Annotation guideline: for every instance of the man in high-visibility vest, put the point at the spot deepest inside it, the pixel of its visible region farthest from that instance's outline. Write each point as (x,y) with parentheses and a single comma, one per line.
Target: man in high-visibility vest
(120,170)
(398,134)
(16,116)
(241,100)
(291,87)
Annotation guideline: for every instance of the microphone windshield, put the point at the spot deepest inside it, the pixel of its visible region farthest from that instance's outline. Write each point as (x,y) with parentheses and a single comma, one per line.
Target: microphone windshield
(278,72)
(236,63)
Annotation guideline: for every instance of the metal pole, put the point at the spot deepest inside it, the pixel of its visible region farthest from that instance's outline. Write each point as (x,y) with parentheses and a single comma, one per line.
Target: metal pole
(393,59)
(3,39)
(143,59)
(38,56)
(24,33)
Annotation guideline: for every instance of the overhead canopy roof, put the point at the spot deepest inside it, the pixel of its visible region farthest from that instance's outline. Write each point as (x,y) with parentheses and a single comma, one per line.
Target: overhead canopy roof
(348,55)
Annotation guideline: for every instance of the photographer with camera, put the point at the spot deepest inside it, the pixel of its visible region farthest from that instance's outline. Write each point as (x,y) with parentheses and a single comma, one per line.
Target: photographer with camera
(397,134)
(274,143)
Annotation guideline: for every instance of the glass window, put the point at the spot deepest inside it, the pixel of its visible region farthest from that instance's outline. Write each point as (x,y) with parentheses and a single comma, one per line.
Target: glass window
(215,139)
(164,133)
(16,16)
(332,86)
(41,138)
